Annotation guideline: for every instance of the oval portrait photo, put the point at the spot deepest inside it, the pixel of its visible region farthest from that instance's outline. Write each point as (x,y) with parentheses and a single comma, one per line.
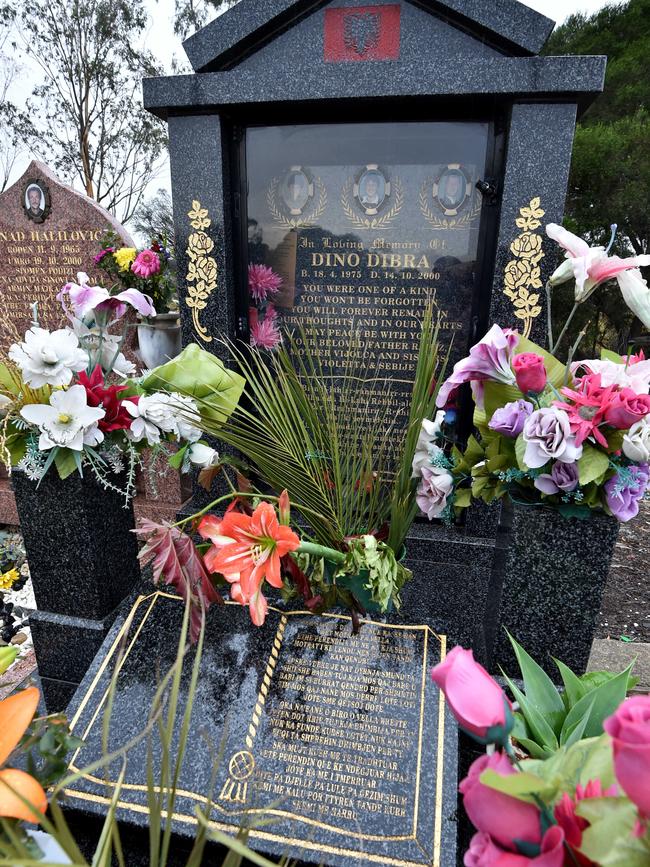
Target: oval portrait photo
(451,189)
(36,201)
(372,189)
(296,190)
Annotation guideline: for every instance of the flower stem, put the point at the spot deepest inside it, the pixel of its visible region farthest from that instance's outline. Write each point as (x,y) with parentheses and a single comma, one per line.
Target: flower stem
(549,315)
(572,352)
(321,551)
(564,330)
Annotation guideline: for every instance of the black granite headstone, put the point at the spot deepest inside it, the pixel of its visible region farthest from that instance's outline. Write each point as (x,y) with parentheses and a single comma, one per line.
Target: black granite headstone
(313,132)
(339,742)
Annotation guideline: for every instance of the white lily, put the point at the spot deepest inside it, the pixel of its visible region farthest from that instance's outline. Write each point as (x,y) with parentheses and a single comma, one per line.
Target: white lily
(636,293)
(67,421)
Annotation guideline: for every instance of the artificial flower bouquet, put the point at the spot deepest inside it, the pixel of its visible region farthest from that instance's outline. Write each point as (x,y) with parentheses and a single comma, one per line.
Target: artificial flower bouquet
(263,286)
(68,398)
(322,495)
(586,803)
(572,437)
(149,270)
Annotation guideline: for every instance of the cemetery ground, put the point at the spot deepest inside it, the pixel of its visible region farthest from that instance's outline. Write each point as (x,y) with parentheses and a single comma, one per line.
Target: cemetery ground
(622,632)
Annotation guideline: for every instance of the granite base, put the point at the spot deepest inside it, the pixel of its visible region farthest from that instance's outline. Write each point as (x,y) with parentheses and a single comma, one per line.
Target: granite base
(81,550)
(549,586)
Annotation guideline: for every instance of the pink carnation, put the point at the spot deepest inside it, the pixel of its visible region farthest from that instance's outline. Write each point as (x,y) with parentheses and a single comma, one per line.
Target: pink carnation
(146,264)
(266,334)
(262,282)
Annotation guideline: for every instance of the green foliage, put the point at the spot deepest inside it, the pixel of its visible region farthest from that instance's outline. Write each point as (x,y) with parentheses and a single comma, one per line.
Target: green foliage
(547,719)
(385,576)
(610,840)
(47,743)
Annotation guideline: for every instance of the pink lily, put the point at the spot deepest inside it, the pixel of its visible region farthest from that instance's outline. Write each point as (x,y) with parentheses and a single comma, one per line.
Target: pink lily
(589,266)
(85,299)
(489,359)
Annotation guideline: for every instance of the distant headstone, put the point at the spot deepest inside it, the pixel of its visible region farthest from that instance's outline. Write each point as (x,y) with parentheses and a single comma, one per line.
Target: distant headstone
(335,748)
(48,233)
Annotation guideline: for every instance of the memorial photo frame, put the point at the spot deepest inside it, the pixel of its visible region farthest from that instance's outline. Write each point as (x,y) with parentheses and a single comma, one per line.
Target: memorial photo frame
(452,189)
(36,200)
(371,189)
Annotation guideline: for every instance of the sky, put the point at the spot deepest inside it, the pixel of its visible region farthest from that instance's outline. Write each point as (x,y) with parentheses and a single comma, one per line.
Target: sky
(160,39)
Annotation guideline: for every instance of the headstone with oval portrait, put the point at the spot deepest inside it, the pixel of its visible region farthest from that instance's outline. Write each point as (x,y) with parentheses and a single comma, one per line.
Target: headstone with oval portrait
(48,232)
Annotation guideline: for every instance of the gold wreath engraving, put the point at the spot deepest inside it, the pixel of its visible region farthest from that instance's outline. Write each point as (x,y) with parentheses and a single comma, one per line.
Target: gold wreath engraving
(445,223)
(523,273)
(303,220)
(202,268)
(381,222)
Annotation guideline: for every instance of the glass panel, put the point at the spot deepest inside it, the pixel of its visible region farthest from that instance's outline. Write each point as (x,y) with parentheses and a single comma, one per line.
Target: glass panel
(363,223)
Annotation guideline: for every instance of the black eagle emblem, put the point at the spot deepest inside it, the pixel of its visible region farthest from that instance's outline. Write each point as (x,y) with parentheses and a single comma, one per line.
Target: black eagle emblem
(361,31)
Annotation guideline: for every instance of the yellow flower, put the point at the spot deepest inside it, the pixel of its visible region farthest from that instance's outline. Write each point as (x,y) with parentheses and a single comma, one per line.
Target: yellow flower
(8,579)
(124,256)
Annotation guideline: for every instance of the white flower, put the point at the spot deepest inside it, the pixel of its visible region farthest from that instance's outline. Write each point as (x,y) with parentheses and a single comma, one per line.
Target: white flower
(67,421)
(636,442)
(636,293)
(187,416)
(426,447)
(547,434)
(626,375)
(203,456)
(49,358)
(152,416)
(436,485)
(5,403)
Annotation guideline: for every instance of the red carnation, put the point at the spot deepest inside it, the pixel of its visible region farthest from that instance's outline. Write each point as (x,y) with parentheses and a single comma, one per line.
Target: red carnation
(98,394)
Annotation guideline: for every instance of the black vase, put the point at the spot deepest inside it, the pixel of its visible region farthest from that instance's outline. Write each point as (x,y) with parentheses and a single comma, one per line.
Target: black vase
(549,586)
(82,557)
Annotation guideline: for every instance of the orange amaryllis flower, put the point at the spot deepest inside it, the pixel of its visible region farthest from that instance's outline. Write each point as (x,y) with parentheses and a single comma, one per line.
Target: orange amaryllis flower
(246,549)
(16,713)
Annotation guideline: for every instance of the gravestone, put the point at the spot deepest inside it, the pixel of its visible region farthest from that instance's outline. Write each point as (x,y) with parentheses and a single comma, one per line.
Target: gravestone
(377,155)
(339,742)
(48,233)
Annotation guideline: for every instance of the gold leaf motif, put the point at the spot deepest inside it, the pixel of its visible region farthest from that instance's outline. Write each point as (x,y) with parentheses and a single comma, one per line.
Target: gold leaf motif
(463,221)
(202,269)
(302,221)
(523,273)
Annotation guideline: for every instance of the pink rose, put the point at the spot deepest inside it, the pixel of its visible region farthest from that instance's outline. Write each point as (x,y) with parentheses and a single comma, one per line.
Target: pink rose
(530,372)
(475,699)
(629,728)
(484,853)
(626,408)
(504,818)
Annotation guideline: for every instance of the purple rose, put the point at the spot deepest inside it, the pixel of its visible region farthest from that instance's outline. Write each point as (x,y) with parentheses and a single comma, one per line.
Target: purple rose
(548,437)
(625,490)
(436,485)
(509,420)
(562,479)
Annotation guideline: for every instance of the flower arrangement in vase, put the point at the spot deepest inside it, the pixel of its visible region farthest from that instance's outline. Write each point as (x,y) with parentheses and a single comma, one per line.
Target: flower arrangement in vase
(69,399)
(574,436)
(151,271)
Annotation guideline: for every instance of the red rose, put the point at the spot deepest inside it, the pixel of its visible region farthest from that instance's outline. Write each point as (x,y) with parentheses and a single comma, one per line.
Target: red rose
(98,394)
(626,408)
(530,372)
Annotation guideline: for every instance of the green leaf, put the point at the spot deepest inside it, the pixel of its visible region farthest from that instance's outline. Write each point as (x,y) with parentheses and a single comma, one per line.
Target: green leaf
(202,376)
(608,355)
(592,465)
(498,394)
(523,786)
(576,733)
(462,498)
(176,460)
(533,748)
(609,840)
(539,688)
(573,687)
(536,721)
(65,462)
(520,451)
(597,705)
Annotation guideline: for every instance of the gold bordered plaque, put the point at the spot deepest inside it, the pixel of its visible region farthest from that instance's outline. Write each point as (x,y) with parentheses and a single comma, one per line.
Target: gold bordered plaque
(339,741)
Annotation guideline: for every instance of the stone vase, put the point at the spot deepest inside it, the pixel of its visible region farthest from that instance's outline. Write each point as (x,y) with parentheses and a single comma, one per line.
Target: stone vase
(83,562)
(159,339)
(548,587)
